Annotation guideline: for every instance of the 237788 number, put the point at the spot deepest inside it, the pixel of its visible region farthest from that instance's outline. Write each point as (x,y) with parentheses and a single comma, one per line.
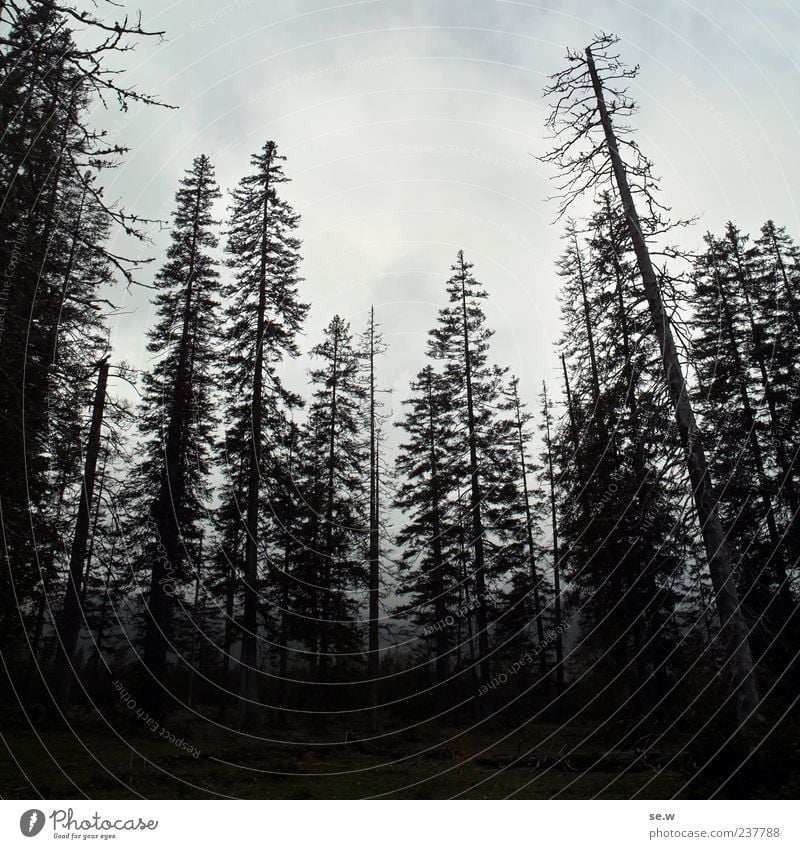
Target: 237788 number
(758,832)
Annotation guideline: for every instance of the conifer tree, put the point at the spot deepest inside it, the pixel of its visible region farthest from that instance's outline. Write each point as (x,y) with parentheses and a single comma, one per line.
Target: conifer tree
(109,571)
(767,349)
(427,540)
(461,342)
(550,477)
(54,224)
(466,517)
(336,433)
(69,623)
(776,276)
(263,317)
(735,402)
(227,560)
(525,596)
(373,347)
(591,106)
(178,417)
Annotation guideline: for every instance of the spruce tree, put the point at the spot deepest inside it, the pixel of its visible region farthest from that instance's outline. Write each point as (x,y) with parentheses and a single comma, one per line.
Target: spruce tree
(613,450)
(525,595)
(340,444)
(178,418)
(263,318)
(730,332)
(461,342)
(373,347)
(775,260)
(54,225)
(427,540)
(590,133)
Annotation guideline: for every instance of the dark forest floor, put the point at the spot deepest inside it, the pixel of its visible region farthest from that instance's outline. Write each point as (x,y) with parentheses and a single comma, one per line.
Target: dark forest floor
(122,758)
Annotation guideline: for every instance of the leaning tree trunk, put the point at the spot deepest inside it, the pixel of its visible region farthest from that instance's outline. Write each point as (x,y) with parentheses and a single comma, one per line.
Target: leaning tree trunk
(72,614)
(101,619)
(732,621)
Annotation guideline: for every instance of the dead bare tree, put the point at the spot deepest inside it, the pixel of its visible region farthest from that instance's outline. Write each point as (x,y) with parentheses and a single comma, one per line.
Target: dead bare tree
(594,148)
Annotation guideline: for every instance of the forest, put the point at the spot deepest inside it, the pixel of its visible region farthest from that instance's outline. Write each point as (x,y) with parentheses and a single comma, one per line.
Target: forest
(217,585)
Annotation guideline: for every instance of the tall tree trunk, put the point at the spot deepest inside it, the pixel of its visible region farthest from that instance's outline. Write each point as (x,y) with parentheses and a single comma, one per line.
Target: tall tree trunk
(439,604)
(537,604)
(95,521)
(230,627)
(165,508)
(196,623)
(44,597)
(283,658)
(374,531)
(556,552)
(327,559)
(475,502)
(740,660)
(645,639)
(72,614)
(248,708)
(101,622)
(465,581)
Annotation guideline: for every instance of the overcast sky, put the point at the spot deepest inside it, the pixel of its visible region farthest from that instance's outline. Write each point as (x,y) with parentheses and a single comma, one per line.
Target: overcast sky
(411,128)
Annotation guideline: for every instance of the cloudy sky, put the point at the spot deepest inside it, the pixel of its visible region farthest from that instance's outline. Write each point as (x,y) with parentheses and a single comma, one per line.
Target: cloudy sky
(411,129)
